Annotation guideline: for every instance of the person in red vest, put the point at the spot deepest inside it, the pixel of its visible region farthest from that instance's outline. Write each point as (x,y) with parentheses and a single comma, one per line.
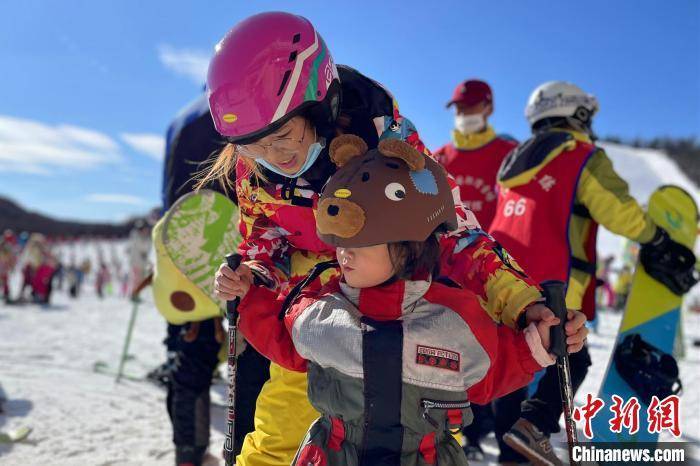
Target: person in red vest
(554,190)
(473,158)
(476,151)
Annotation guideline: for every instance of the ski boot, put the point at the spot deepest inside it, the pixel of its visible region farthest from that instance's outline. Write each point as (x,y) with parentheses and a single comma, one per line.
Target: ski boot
(530,442)
(188,455)
(161,374)
(473,451)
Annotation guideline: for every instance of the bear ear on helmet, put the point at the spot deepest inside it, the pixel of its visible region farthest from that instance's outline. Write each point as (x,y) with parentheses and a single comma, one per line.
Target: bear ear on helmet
(346,147)
(404,151)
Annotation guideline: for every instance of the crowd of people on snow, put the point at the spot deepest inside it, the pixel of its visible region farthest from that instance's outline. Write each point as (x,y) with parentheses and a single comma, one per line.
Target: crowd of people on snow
(44,264)
(390,296)
(31,256)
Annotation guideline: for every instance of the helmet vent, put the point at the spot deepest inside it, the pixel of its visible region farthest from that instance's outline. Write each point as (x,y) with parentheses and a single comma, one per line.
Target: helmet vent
(292,56)
(296,38)
(285,78)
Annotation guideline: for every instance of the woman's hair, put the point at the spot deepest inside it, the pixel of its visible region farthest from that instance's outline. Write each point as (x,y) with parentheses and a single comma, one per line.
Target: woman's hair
(222,169)
(415,257)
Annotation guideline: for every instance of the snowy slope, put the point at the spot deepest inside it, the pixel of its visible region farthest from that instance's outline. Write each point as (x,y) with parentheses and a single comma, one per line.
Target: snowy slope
(81,417)
(644,170)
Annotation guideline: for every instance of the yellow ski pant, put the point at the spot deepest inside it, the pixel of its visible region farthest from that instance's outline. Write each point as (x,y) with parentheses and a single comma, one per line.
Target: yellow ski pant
(283,414)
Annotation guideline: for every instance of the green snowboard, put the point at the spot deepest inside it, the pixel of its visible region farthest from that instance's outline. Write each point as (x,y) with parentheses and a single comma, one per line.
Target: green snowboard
(191,242)
(200,229)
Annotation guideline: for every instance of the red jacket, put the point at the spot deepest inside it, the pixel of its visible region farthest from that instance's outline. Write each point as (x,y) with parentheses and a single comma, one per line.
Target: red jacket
(324,326)
(474,171)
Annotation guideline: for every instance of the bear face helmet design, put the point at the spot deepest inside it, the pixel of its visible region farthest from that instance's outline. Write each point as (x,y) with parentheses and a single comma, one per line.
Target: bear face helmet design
(389,194)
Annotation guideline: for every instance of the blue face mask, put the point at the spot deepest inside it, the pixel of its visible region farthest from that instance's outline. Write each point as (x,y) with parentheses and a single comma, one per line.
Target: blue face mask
(314,151)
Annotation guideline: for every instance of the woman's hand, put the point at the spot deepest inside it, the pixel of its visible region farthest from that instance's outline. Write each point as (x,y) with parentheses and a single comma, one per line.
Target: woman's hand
(575,328)
(231,284)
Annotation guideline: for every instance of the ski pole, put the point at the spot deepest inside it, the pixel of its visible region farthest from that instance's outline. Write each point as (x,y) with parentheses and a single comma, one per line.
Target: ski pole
(233,261)
(555,296)
(127,341)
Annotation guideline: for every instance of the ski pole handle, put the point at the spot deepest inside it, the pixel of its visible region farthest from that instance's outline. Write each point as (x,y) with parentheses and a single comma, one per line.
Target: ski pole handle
(554,293)
(233,261)
(555,296)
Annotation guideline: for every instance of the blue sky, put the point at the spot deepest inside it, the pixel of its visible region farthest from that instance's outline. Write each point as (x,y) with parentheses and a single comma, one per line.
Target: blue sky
(88,88)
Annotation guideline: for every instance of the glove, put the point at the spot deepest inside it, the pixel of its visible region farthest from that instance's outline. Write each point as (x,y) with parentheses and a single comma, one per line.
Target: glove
(669,262)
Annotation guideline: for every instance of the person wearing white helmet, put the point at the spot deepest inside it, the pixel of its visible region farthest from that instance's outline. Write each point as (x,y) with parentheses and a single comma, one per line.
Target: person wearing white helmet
(555,189)
(561,104)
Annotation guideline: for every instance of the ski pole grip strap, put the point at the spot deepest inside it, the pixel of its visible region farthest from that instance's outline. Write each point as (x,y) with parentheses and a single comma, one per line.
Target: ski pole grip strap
(233,261)
(554,293)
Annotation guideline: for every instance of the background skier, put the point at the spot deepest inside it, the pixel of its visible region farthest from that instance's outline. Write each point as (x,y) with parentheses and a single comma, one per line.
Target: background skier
(193,348)
(555,189)
(473,158)
(476,151)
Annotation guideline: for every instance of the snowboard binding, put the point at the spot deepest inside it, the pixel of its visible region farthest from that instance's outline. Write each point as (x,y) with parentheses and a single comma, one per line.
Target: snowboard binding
(646,369)
(670,263)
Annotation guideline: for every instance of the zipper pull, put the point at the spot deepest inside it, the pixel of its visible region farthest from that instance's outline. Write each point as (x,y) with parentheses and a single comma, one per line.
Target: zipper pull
(427,406)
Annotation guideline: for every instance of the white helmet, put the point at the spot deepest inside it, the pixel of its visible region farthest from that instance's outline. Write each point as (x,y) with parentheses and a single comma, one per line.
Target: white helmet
(560,99)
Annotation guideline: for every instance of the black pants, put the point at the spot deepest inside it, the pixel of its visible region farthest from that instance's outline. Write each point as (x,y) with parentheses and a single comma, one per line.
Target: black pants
(171,340)
(482,424)
(188,399)
(188,393)
(543,408)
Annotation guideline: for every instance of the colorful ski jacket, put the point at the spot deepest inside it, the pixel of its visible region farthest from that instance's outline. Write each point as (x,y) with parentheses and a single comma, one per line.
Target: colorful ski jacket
(277,214)
(393,368)
(473,161)
(554,191)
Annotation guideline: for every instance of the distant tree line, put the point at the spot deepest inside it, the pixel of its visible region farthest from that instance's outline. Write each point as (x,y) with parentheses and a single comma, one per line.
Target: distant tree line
(17,218)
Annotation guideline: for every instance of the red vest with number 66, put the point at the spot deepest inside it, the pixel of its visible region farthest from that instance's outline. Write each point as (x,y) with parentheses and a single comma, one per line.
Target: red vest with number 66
(535,206)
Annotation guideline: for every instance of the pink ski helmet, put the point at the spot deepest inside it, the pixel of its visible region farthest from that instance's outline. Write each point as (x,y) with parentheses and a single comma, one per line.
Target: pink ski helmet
(267,69)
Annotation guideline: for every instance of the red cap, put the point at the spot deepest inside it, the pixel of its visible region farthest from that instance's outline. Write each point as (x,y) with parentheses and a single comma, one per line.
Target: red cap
(471,92)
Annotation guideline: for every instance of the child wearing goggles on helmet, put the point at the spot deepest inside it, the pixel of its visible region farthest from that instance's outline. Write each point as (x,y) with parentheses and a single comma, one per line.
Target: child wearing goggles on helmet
(394,356)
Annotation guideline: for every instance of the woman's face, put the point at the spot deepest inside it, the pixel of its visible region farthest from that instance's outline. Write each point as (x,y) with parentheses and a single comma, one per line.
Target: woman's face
(286,148)
(365,267)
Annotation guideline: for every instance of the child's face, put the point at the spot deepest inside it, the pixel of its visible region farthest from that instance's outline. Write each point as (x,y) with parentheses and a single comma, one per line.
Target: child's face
(365,267)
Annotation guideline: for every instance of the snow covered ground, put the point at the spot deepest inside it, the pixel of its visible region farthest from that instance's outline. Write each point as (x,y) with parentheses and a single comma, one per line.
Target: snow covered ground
(80,417)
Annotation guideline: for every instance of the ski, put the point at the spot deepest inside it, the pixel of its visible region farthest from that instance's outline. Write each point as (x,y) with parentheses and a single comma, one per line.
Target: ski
(103,368)
(15,435)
